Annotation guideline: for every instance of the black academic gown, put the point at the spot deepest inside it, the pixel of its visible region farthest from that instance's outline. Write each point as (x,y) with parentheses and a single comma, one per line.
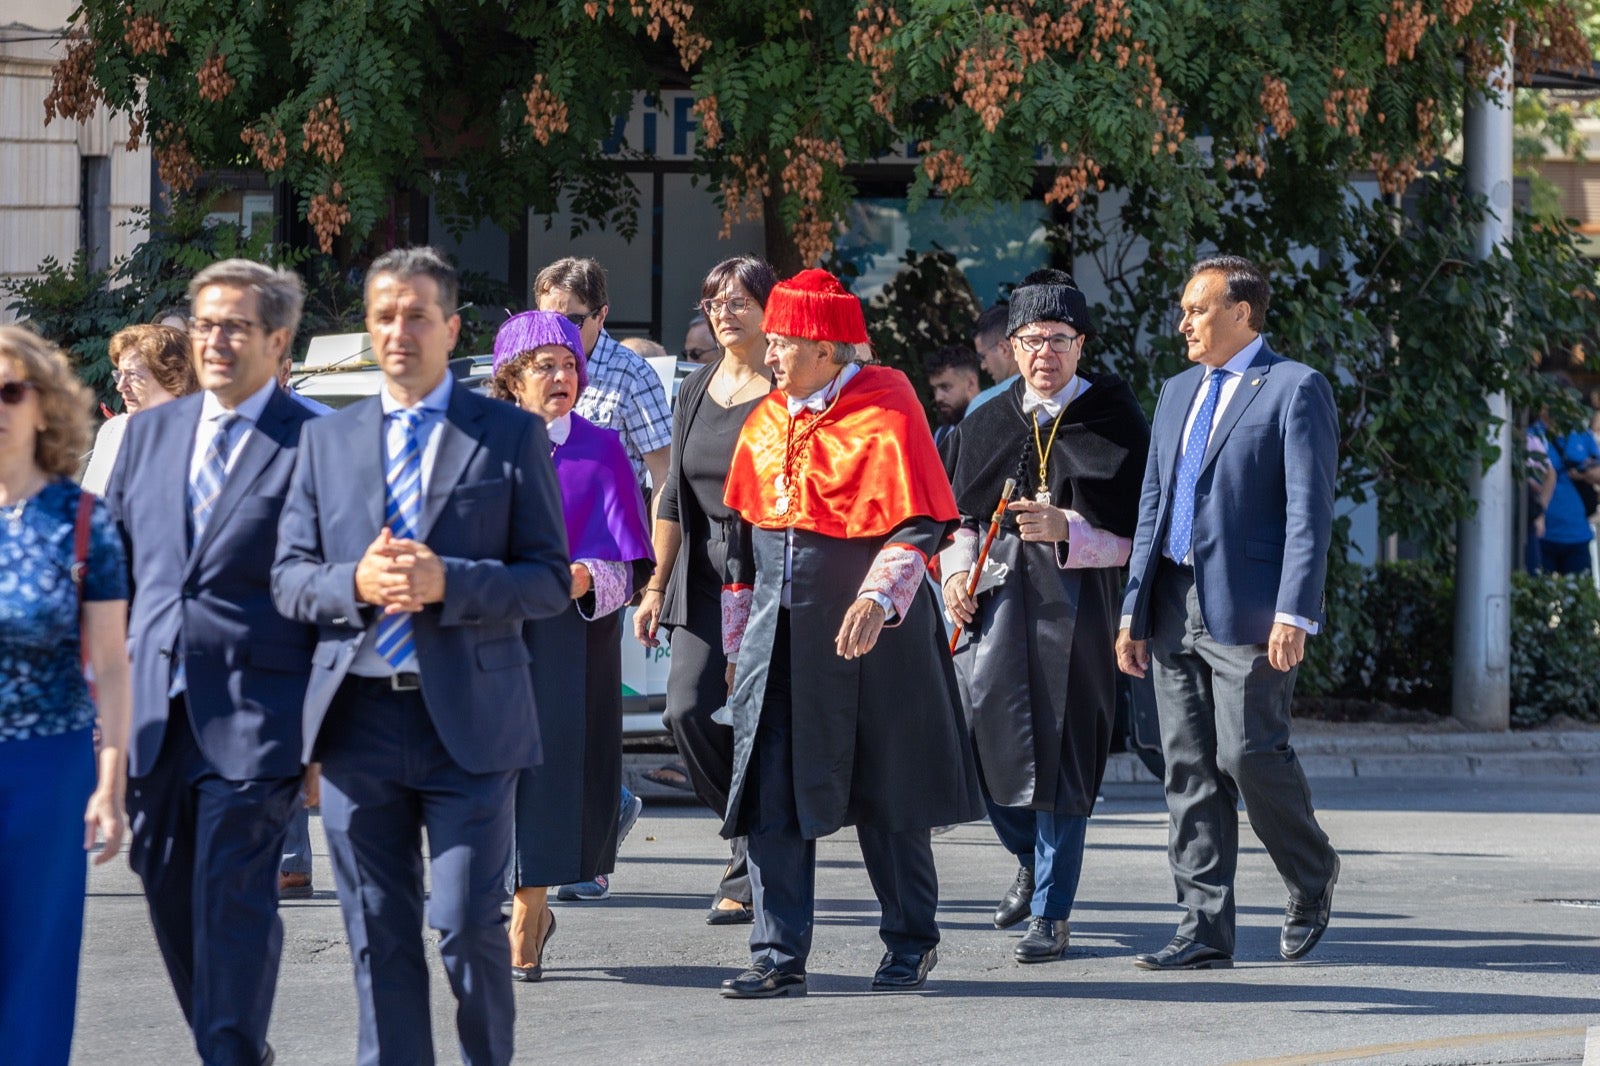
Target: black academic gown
(879,741)
(1037,668)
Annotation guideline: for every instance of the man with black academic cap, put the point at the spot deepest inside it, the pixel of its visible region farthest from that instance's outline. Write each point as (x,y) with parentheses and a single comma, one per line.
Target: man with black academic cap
(1035,659)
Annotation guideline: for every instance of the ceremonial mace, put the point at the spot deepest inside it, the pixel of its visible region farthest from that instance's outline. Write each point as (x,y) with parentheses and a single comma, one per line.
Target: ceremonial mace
(983,556)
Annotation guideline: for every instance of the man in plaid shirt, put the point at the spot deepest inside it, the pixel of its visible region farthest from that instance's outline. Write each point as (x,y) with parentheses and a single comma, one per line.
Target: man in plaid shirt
(624,394)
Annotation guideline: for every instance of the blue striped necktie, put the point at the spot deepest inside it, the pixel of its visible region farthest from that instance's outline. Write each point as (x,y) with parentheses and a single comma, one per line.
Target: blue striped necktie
(206,485)
(1181,530)
(402,513)
(204,488)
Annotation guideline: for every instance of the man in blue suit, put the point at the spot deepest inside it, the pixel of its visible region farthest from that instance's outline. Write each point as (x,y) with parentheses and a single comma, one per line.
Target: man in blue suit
(219,676)
(1225,584)
(423,527)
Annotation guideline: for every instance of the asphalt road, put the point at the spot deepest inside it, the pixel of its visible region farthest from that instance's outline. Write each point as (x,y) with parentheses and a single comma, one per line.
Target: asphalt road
(1466,929)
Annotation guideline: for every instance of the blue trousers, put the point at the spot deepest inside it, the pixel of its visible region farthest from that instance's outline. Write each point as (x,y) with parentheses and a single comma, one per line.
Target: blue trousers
(783,864)
(297,844)
(44,785)
(207,850)
(1051,844)
(386,777)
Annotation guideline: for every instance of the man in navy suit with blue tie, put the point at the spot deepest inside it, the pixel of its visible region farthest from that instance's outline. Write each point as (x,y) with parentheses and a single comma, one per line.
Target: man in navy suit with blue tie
(1225,584)
(423,527)
(219,676)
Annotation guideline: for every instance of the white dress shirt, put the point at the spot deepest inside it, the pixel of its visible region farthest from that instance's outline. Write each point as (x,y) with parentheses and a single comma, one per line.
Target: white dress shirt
(368,663)
(211,410)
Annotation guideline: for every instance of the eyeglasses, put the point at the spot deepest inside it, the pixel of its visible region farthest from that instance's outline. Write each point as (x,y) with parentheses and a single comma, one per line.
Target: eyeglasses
(734,305)
(1060,343)
(119,376)
(578,318)
(550,370)
(235,329)
(694,355)
(13,392)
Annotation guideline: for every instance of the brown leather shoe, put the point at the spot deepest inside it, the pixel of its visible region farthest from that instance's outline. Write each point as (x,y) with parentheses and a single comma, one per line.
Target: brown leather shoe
(294,886)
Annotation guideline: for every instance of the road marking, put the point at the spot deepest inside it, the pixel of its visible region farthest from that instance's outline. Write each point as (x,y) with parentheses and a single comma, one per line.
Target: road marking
(1591,1055)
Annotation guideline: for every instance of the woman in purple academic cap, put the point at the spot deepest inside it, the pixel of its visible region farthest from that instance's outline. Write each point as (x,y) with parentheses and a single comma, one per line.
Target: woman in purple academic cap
(566,816)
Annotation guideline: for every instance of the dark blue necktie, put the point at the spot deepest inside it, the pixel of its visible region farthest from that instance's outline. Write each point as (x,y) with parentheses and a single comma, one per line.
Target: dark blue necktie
(402,512)
(1181,530)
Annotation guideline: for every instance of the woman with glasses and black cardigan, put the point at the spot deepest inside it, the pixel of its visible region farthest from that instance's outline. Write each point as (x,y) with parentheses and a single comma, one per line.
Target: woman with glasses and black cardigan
(690,545)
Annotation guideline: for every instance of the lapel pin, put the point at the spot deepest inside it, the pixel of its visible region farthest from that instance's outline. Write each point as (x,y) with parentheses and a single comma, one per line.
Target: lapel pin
(1255,381)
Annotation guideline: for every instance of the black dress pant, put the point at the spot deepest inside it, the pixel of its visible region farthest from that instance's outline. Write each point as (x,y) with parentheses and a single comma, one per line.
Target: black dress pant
(783,864)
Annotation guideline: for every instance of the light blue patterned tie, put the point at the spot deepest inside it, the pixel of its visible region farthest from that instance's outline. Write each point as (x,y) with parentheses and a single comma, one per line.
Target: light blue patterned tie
(1181,530)
(402,512)
(204,488)
(206,485)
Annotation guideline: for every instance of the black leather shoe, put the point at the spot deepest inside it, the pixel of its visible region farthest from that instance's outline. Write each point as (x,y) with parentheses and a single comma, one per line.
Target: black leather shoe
(901,972)
(1045,941)
(1184,954)
(1017,901)
(1304,923)
(762,981)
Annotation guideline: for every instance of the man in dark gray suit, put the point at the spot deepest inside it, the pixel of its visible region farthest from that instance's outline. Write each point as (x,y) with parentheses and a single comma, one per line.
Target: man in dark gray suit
(218,675)
(1225,584)
(422,528)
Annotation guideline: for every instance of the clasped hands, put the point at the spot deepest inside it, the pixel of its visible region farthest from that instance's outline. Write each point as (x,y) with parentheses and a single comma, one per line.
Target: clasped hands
(399,574)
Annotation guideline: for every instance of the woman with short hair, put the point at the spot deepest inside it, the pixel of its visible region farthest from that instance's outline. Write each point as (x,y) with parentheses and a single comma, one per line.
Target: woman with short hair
(150,365)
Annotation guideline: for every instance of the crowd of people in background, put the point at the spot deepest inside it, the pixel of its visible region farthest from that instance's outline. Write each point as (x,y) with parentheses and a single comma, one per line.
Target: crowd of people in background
(408,612)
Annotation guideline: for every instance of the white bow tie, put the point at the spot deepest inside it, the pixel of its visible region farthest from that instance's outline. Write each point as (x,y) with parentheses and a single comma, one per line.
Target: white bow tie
(816,403)
(560,429)
(1032,402)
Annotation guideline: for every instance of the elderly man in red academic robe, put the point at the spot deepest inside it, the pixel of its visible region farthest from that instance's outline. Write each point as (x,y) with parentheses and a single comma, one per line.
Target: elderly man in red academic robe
(843,697)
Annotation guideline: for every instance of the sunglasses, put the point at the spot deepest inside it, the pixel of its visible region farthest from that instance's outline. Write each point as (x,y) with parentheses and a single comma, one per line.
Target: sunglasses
(578,318)
(13,392)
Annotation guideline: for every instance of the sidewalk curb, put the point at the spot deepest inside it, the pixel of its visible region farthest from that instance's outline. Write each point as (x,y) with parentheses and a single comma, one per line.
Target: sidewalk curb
(1337,755)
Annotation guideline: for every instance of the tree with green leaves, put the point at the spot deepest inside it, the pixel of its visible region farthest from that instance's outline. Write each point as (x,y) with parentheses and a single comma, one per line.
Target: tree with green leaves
(496,106)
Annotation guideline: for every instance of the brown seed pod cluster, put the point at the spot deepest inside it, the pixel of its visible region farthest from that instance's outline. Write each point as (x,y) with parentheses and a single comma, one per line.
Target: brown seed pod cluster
(174,161)
(1393,175)
(1248,159)
(945,167)
(1551,39)
(1345,107)
(270,149)
(135,132)
(1275,105)
(547,112)
(324,131)
(744,192)
(328,215)
(144,33)
(74,94)
(1404,25)
(985,78)
(805,176)
(214,80)
(869,46)
(1073,180)
(705,108)
(1456,10)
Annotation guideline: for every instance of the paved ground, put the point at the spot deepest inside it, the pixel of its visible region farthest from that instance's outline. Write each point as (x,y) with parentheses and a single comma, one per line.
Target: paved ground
(1466,930)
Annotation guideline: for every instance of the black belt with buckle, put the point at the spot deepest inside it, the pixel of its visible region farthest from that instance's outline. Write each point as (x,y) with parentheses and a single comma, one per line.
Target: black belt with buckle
(405,681)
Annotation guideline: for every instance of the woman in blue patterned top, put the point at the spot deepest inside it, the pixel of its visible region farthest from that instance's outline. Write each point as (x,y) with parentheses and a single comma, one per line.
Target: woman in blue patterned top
(47,713)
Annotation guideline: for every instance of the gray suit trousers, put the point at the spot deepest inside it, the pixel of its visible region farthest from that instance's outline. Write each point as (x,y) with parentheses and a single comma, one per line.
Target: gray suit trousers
(1225,730)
